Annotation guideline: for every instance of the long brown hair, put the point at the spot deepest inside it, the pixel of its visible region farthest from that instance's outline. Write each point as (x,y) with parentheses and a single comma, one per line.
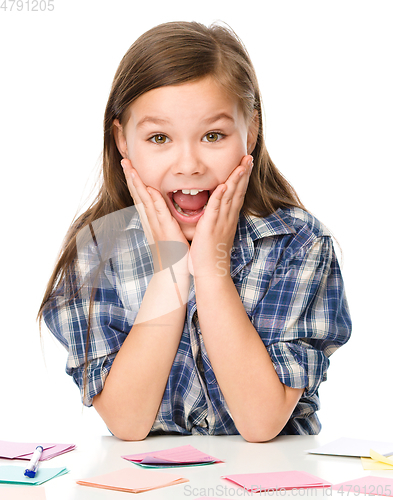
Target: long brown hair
(171,54)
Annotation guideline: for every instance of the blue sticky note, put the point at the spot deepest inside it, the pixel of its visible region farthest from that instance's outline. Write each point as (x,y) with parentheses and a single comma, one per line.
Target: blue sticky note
(16,475)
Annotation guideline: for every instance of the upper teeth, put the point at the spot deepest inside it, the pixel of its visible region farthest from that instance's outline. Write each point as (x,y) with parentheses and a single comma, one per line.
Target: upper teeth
(189,191)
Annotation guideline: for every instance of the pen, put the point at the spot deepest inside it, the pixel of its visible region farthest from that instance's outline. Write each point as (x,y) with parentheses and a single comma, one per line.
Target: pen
(33,464)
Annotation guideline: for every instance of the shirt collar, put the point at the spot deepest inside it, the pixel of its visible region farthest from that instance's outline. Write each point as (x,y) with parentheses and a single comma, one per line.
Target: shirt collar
(251,228)
(260,227)
(132,216)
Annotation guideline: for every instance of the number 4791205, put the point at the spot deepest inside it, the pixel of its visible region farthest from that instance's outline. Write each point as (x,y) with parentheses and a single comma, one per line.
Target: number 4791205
(370,489)
(27,5)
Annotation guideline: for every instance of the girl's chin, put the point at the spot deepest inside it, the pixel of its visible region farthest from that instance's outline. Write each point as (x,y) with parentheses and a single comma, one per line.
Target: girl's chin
(188,231)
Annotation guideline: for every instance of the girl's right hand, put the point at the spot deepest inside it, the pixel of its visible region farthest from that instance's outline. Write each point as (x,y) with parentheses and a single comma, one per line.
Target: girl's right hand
(157,221)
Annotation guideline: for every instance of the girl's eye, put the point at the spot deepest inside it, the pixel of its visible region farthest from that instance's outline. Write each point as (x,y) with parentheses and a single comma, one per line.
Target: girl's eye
(159,139)
(213,136)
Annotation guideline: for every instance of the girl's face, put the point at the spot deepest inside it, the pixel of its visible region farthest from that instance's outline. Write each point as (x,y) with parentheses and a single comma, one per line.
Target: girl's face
(186,137)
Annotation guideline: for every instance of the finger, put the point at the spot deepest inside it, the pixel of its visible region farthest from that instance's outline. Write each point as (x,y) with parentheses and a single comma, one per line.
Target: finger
(237,184)
(243,179)
(134,182)
(233,183)
(167,230)
(139,190)
(155,215)
(220,201)
(212,210)
(159,203)
(239,177)
(163,214)
(130,175)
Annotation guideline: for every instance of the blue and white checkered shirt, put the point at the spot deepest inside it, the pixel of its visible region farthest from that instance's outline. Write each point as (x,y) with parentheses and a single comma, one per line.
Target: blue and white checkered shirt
(287,275)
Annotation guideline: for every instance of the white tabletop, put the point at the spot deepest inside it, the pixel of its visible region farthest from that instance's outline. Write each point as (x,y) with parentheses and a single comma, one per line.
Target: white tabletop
(102,454)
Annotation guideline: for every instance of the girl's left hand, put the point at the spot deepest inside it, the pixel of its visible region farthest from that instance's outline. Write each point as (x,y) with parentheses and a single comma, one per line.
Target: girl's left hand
(210,253)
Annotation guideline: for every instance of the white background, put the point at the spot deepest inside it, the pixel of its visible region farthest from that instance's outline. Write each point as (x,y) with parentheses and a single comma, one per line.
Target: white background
(325,75)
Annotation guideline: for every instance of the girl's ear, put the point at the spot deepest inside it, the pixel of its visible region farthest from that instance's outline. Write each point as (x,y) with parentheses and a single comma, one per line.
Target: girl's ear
(252,134)
(120,138)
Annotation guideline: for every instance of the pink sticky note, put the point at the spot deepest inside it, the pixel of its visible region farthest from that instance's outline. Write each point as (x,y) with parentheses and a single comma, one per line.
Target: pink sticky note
(133,480)
(287,480)
(180,455)
(10,449)
(23,492)
(55,450)
(24,451)
(369,485)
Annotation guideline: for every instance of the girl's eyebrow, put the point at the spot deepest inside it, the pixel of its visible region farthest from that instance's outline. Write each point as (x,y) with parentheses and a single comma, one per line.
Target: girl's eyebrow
(162,121)
(219,116)
(151,119)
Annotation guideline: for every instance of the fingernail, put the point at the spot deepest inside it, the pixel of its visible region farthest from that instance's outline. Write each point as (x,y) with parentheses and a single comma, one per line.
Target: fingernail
(250,162)
(122,164)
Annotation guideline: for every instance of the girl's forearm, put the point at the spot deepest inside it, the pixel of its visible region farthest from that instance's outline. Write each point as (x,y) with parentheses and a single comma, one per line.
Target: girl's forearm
(259,403)
(135,385)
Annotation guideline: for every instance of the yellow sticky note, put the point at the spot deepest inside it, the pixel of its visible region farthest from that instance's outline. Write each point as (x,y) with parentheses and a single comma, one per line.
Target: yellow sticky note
(381,458)
(377,462)
(370,464)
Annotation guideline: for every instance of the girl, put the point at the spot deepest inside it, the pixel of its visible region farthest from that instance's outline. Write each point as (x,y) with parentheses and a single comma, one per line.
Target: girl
(213,308)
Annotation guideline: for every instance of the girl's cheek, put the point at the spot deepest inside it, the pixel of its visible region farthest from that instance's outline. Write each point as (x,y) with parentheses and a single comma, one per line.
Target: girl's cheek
(232,158)
(151,175)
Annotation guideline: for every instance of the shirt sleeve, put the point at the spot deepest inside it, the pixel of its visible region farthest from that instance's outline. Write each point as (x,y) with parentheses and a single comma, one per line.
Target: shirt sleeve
(67,318)
(303,317)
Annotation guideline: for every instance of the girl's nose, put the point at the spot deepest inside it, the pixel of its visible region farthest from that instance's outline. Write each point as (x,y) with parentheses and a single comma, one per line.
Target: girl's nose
(188,163)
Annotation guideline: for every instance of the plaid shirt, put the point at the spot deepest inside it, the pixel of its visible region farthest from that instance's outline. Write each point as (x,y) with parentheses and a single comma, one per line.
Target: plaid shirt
(287,275)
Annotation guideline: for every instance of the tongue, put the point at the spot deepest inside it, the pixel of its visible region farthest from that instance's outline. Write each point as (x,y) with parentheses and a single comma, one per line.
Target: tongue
(190,201)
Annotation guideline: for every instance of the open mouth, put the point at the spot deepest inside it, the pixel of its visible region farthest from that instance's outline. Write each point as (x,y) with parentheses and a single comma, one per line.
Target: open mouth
(189,202)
